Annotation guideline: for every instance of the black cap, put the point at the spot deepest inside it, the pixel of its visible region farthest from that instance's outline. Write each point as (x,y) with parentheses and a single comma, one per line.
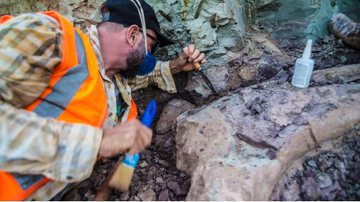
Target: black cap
(125,12)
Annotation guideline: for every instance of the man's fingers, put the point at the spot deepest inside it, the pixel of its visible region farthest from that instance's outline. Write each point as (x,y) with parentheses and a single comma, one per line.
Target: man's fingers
(191,49)
(186,51)
(142,140)
(146,137)
(130,137)
(194,55)
(200,58)
(134,150)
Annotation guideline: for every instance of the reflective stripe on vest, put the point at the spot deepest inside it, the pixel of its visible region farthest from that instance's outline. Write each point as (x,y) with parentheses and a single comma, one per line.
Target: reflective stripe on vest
(75,94)
(65,89)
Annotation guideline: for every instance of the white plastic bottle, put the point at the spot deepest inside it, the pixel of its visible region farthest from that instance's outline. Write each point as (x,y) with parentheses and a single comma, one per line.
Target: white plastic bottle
(303,68)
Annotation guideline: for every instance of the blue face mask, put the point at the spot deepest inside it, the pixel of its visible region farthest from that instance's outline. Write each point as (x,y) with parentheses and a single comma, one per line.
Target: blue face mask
(148,65)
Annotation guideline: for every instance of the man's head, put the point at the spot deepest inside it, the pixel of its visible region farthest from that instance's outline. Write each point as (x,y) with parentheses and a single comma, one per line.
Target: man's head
(122,48)
(125,12)
(121,35)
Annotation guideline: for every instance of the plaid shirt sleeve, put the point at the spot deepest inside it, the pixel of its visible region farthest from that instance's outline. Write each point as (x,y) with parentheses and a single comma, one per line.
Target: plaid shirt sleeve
(161,77)
(30,48)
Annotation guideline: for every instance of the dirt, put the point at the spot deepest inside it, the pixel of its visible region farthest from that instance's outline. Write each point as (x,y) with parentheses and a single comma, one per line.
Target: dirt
(156,177)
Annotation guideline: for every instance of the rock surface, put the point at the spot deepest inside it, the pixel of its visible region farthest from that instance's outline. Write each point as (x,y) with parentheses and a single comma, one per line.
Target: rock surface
(171,111)
(331,173)
(265,59)
(260,60)
(148,195)
(346,74)
(239,146)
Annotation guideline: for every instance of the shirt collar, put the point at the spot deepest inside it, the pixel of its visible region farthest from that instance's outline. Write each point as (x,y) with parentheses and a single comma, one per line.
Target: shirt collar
(93,35)
(120,81)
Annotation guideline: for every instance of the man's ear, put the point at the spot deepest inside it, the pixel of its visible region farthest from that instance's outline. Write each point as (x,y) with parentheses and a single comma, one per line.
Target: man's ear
(132,35)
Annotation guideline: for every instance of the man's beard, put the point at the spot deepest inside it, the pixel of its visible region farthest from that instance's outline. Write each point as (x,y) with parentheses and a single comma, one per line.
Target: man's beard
(134,61)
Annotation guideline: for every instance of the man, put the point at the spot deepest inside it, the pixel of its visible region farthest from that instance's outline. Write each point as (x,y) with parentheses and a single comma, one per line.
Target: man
(347,30)
(182,63)
(54,102)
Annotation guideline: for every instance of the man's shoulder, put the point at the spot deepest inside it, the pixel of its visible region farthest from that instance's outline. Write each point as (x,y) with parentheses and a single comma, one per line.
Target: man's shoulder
(33,21)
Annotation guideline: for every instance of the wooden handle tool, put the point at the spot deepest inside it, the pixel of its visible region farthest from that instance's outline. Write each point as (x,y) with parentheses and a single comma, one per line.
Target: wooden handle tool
(197,65)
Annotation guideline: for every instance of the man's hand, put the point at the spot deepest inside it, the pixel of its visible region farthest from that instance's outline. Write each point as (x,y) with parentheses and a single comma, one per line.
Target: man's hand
(185,62)
(131,137)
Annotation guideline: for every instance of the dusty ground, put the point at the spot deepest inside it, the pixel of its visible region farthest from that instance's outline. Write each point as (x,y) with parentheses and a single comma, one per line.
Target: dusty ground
(157,178)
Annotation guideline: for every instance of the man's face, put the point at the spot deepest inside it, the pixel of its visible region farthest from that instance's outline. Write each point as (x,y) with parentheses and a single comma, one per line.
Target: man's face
(134,60)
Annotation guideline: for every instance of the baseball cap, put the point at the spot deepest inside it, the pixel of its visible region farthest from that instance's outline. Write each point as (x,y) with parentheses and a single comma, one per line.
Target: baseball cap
(125,12)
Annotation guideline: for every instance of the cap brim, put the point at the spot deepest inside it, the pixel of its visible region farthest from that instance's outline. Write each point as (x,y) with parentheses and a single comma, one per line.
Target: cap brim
(164,41)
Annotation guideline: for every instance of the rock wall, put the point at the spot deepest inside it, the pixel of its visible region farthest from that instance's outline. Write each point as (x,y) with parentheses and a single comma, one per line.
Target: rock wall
(302,19)
(216,27)
(15,7)
(80,12)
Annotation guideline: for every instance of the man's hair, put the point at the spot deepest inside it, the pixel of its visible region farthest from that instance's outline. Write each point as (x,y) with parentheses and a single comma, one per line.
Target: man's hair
(111,26)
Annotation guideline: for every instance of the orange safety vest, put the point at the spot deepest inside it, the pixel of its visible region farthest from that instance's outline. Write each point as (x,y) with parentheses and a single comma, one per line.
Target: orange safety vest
(75,94)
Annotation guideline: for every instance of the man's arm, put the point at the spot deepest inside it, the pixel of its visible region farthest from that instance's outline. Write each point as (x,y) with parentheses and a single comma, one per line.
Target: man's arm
(30,48)
(162,76)
(30,144)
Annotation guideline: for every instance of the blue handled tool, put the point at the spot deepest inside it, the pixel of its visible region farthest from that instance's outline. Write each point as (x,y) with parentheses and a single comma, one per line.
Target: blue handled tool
(149,114)
(122,176)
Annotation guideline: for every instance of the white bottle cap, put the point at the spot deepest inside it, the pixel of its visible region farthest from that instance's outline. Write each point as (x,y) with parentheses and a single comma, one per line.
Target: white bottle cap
(307,52)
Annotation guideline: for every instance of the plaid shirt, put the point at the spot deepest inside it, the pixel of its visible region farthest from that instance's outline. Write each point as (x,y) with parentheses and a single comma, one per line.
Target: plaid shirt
(30,49)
